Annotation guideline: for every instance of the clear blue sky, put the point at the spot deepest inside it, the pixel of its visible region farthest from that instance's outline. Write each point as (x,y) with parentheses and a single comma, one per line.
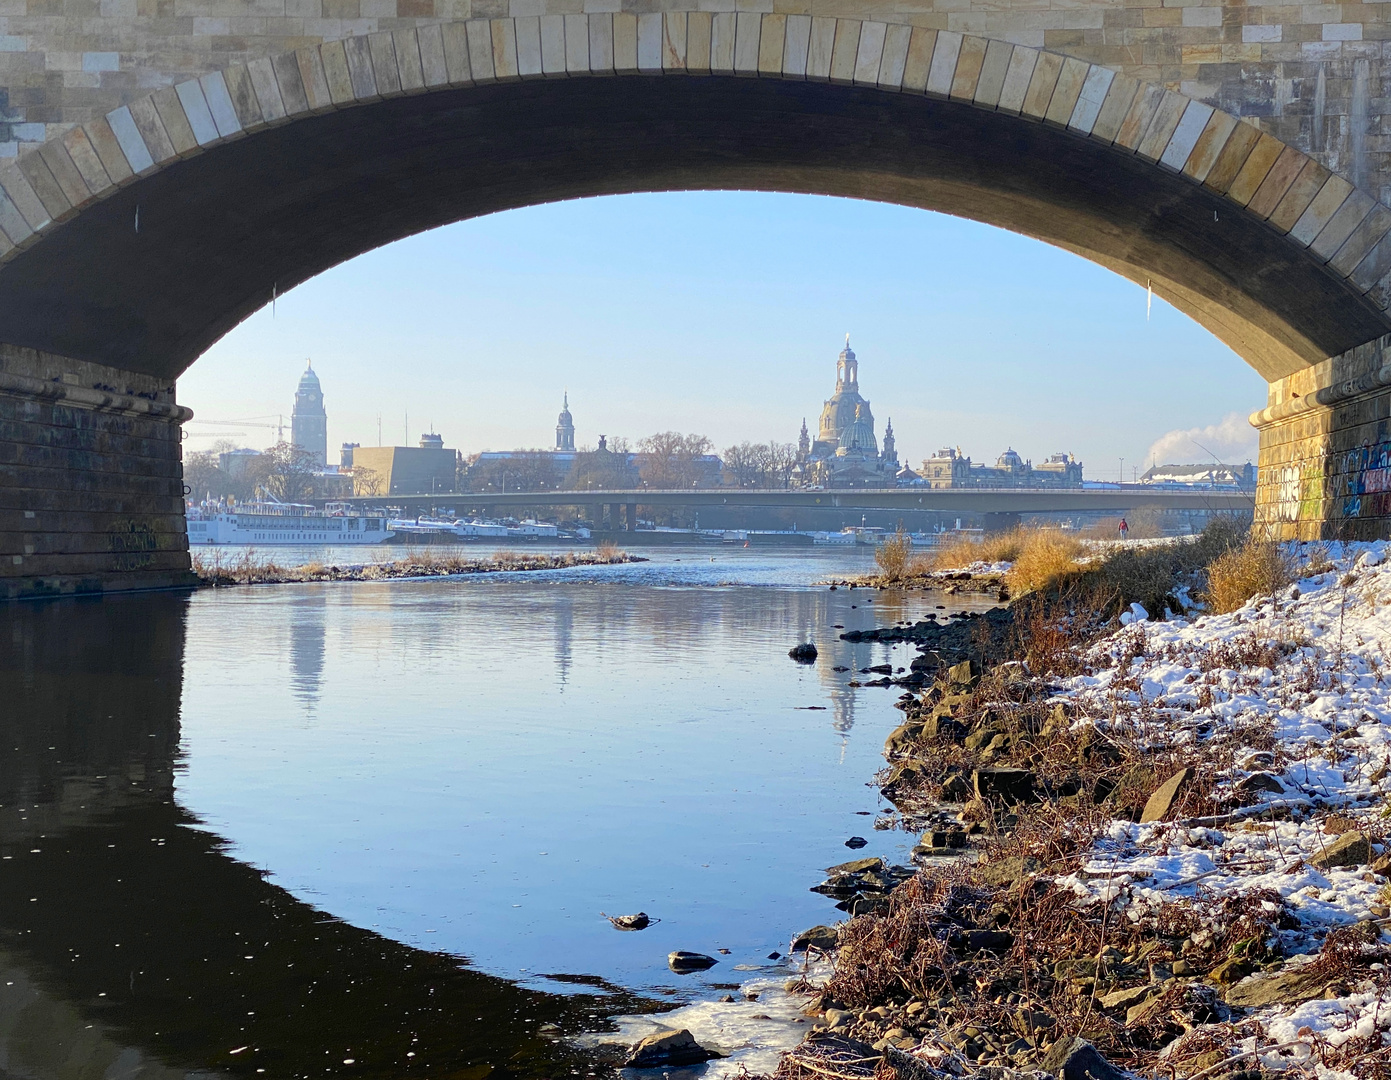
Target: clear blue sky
(722,313)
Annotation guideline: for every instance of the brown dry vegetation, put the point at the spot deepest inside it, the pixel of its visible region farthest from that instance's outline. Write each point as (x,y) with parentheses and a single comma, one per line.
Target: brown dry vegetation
(1258,567)
(248,567)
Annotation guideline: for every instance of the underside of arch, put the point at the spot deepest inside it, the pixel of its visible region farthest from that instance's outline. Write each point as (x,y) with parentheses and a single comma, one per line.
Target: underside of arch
(220,231)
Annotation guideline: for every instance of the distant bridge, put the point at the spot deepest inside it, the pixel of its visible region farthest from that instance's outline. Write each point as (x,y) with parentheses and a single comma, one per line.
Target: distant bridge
(1120,499)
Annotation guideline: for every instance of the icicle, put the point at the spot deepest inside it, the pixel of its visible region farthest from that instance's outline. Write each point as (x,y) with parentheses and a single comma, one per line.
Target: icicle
(1149,298)
(137,217)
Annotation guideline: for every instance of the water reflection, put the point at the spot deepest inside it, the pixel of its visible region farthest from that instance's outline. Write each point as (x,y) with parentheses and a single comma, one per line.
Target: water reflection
(307,649)
(133,943)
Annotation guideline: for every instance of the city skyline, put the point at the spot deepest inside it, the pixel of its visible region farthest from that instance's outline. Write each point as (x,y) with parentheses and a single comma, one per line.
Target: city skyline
(1046,362)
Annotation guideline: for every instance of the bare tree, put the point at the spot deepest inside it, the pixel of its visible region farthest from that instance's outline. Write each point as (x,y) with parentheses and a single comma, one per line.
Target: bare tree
(670,460)
(367,481)
(742,464)
(288,471)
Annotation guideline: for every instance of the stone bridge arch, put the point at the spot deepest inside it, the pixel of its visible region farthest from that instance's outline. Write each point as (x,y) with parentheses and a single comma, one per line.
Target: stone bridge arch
(131,242)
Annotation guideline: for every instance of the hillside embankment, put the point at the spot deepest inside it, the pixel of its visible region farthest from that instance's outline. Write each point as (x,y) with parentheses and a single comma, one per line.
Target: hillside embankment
(1148,845)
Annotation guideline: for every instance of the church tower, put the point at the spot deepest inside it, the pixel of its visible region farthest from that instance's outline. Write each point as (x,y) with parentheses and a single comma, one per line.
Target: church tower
(890,450)
(847,370)
(803,442)
(565,427)
(309,421)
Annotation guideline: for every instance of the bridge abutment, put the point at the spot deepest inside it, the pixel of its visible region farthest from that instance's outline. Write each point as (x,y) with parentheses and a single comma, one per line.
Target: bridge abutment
(1325,449)
(91,478)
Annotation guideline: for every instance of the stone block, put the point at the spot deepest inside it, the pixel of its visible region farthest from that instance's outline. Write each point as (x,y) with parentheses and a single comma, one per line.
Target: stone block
(649,42)
(1017,77)
(820,47)
(1232,157)
(1277,182)
(1184,140)
(552,32)
(1071,78)
(87,162)
(869,53)
(1311,180)
(1349,215)
(1047,68)
(1115,108)
(944,55)
(894,58)
(625,43)
(796,42)
(1365,237)
(844,50)
(1090,100)
(200,117)
(723,28)
(409,65)
(577,44)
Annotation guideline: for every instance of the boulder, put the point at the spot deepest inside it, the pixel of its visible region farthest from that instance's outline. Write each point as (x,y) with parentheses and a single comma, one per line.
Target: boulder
(1282,988)
(902,738)
(965,674)
(1004,785)
(857,866)
(672,1047)
(683,963)
(857,842)
(1008,871)
(1229,971)
(1124,999)
(1350,849)
(805,653)
(820,938)
(1261,781)
(1077,1059)
(1161,804)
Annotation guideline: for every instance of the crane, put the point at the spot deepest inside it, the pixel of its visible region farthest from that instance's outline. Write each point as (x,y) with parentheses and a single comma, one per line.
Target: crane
(255,422)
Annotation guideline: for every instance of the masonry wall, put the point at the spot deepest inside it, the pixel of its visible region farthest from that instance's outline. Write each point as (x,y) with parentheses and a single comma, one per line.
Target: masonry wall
(1325,457)
(1310,74)
(91,479)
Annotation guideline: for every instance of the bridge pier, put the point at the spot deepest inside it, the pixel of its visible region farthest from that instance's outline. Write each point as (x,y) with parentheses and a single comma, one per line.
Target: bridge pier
(91,478)
(1325,449)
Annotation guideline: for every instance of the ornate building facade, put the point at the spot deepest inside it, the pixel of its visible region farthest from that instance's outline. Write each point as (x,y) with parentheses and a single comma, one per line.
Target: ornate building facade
(308,420)
(950,468)
(846,452)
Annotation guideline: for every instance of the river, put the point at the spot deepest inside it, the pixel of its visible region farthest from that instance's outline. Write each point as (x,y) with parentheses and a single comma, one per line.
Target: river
(369,829)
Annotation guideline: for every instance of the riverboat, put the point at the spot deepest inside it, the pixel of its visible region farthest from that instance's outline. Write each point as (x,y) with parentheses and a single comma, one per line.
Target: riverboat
(269,524)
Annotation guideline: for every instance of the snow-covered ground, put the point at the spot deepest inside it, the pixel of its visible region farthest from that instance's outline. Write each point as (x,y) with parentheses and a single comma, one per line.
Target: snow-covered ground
(1327,704)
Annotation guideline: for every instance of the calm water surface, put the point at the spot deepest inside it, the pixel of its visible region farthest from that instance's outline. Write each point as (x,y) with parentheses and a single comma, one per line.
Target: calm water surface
(368,829)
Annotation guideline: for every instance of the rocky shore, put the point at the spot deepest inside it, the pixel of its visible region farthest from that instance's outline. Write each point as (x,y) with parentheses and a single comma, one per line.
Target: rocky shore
(1155,847)
(249,568)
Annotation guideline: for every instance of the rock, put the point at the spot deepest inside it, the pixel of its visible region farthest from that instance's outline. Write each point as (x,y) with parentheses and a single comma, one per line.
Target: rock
(821,938)
(1350,849)
(1283,988)
(857,842)
(1009,871)
(965,674)
(1382,865)
(943,726)
(839,1018)
(1145,1010)
(775,955)
(1161,803)
(1124,999)
(902,738)
(1077,1059)
(1261,781)
(640,921)
(857,866)
(978,941)
(1007,786)
(683,963)
(979,740)
(805,653)
(1229,971)
(668,1048)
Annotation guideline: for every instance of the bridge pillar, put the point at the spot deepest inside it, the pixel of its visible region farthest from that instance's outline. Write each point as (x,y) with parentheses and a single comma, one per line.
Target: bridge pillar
(1325,449)
(91,479)
(632,517)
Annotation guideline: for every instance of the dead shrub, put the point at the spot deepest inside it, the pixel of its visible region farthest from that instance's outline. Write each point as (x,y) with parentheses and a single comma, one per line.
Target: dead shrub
(995,547)
(1046,559)
(892,555)
(1256,568)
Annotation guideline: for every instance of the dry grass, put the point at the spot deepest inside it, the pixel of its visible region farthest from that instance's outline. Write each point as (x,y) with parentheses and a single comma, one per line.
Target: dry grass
(609,550)
(1256,568)
(1046,559)
(995,547)
(248,567)
(894,557)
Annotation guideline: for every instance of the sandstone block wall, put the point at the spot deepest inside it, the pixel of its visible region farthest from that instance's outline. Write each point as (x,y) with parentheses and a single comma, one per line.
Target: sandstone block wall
(91,478)
(1325,457)
(1310,74)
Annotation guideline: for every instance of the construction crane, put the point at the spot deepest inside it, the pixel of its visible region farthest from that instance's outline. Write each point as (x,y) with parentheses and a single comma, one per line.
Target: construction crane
(255,421)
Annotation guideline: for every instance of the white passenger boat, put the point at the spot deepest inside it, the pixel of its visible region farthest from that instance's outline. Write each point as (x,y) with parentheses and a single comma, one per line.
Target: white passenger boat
(281,523)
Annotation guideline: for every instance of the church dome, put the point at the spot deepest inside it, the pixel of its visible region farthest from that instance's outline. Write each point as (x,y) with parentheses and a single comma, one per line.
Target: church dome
(1009,460)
